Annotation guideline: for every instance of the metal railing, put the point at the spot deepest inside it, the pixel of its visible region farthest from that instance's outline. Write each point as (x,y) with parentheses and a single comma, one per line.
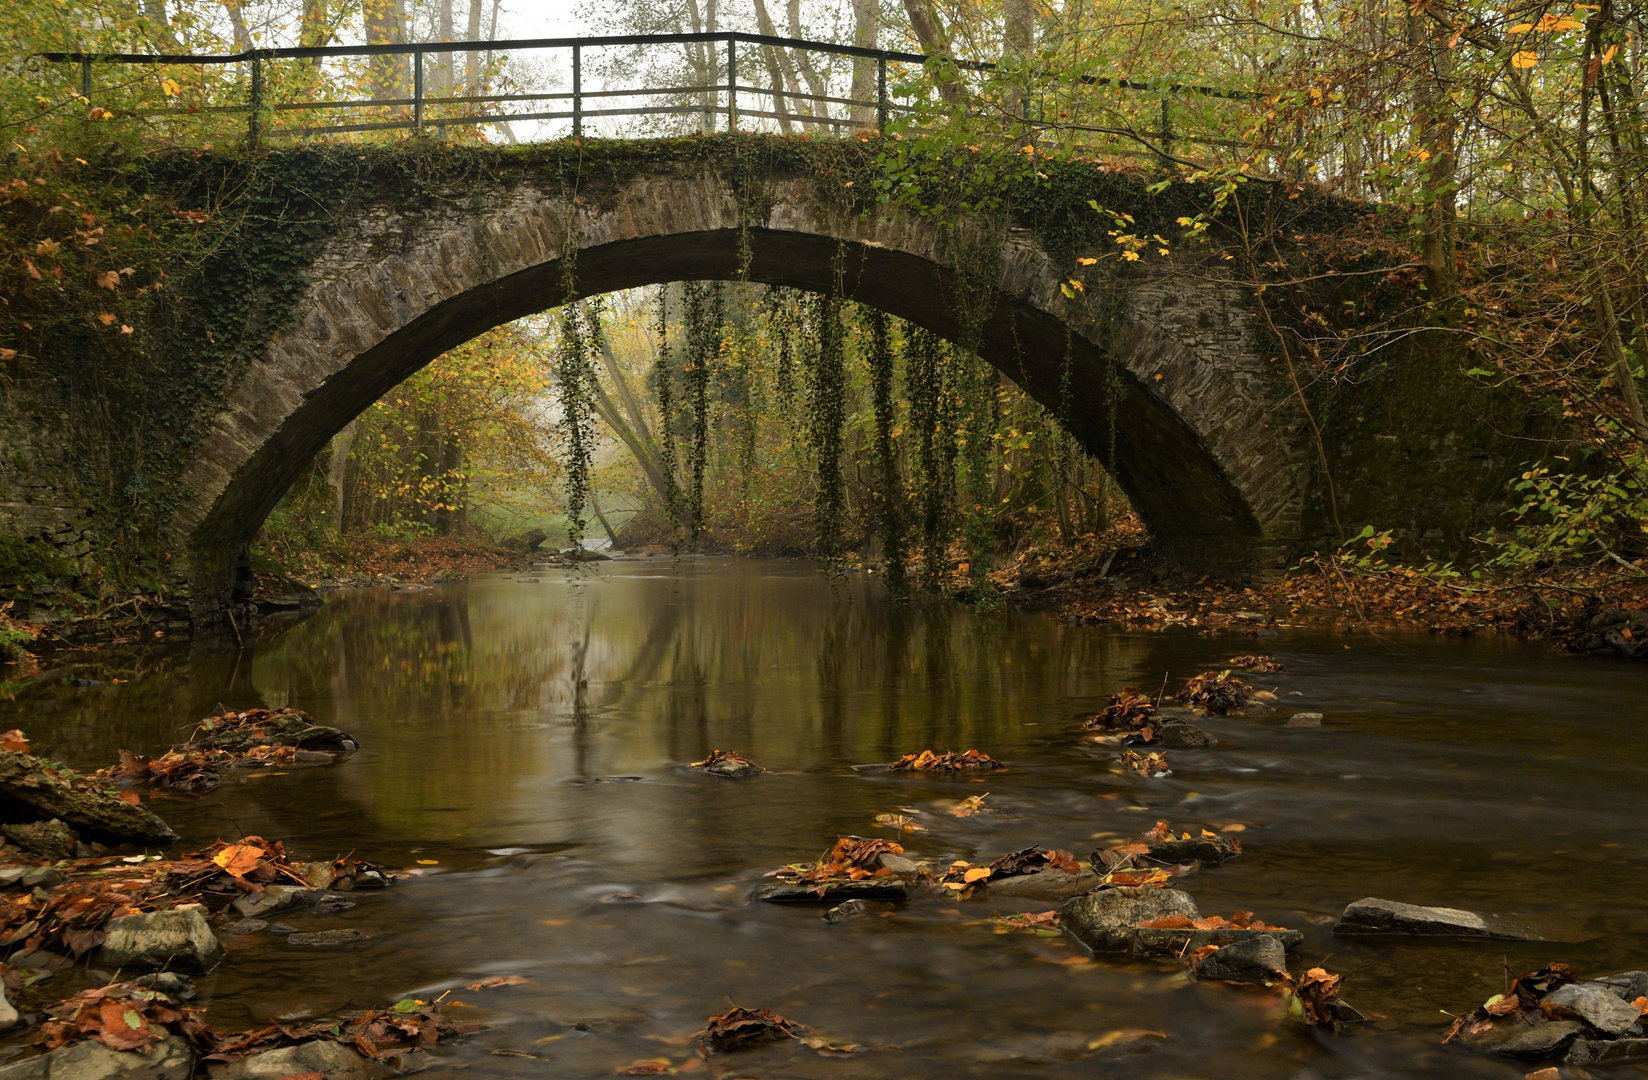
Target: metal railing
(725,97)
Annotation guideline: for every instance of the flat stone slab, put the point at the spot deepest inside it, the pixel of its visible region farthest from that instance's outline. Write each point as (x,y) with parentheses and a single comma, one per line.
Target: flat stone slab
(322,1057)
(1261,960)
(168,1059)
(1048,885)
(834,893)
(26,779)
(160,939)
(1519,1036)
(1602,1051)
(1178,735)
(1372,917)
(1597,1005)
(1202,849)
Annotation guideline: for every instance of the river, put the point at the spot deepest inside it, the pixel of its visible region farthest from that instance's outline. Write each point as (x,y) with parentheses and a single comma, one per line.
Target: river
(523,738)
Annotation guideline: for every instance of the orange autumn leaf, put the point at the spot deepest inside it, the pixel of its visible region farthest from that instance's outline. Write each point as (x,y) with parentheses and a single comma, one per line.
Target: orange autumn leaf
(238,860)
(15,741)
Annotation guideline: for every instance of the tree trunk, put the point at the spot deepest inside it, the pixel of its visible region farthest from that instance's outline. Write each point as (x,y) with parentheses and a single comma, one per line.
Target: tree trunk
(789,82)
(1434,127)
(816,85)
(237,19)
(442,81)
(866,32)
(472,60)
(337,474)
(1018,47)
(160,26)
(929,29)
(390,76)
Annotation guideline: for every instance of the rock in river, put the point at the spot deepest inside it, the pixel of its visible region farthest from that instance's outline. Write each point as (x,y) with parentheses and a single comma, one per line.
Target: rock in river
(1371,917)
(1260,960)
(28,785)
(1109,921)
(168,1059)
(322,1057)
(1050,886)
(272,899)
(1178,735)
(876,888)
(1524,1036)
(155,939)
(1593,1003)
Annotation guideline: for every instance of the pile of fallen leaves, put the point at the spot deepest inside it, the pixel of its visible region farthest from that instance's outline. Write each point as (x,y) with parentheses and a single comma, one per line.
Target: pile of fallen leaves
(740,1027)
(1157,858)
(853,858)
(1265,665)
(1150,765)
(121,1016)
(1315,1000)
(726,761)
(1596,1014)
(962,877)
(1216,692)
(68,917)
(949,761)
(256,738)
(1040,922)
(1129,710)
(1242,920)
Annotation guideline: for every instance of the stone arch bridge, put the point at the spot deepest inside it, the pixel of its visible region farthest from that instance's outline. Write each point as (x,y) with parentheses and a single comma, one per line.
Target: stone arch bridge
(1208,440)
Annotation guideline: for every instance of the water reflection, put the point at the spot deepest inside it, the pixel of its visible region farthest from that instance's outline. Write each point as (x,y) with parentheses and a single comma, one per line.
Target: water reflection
(549,720)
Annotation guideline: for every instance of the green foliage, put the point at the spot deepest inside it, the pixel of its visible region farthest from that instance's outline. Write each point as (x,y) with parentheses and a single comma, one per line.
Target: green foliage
(827,414)
(575,376)
(1568,517)
(24,561)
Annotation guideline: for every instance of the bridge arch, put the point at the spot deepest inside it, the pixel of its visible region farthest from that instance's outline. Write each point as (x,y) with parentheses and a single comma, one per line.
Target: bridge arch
(1205,442)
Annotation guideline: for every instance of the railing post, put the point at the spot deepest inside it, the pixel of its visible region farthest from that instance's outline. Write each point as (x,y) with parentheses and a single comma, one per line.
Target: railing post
(732,84)
(884,108)
(417,91)
(86,77)
(1167,132)
(577,92)
(254,126)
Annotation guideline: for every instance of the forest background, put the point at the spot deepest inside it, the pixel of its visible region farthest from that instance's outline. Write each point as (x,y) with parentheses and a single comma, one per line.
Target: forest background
(1506,145)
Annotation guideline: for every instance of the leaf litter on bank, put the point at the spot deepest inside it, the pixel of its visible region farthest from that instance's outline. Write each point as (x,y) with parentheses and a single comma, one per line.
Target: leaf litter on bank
(949,761)
(1263,664)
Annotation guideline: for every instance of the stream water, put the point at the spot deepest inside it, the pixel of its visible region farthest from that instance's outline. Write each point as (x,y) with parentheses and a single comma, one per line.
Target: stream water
(523,738)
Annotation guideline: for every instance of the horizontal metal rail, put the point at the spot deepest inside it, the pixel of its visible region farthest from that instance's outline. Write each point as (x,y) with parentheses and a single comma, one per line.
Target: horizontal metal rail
(419,102)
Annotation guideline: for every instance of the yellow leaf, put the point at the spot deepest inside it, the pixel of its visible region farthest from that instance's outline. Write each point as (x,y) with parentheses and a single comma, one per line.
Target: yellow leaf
(170,87)
(1609,54)
(124,329)
(977,873)
(1131,256)
(106,318)
(1086,261)
(1524,59)
(1522,28)
(109,279)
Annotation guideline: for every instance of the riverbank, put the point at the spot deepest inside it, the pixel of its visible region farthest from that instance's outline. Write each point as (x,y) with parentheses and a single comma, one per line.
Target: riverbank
(1602,611)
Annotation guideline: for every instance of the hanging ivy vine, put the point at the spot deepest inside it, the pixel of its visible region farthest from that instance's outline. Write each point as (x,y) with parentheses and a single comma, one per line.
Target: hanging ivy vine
(575,378)
(706,313)
(827,413)
(889,498)
(663,389)
(932,421)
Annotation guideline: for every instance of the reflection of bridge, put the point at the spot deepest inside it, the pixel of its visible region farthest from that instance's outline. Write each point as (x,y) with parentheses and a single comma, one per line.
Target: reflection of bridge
(1201,444)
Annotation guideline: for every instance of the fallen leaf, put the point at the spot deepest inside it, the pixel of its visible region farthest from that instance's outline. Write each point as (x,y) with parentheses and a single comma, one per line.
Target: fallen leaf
(496,980)
(15,741)
(238,860)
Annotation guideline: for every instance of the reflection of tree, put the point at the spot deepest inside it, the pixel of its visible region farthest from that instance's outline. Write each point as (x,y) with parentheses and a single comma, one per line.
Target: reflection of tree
(477,704)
